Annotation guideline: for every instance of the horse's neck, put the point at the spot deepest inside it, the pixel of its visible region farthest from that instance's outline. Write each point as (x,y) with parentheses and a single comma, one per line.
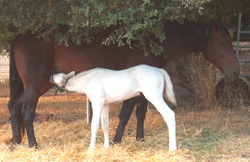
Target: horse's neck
(185,39)
(198,35)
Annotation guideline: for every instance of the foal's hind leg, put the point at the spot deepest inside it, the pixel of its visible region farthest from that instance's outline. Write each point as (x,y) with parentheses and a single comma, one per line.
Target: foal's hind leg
(127,108)
(169,117)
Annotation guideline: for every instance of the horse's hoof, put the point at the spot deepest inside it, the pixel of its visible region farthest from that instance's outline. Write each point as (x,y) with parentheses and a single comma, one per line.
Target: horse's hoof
(116,142)
(34,146)
(13,146)
(13,143)
(140,139)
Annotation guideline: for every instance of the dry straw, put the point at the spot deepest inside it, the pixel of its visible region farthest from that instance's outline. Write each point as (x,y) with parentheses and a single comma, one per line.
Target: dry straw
(66,136)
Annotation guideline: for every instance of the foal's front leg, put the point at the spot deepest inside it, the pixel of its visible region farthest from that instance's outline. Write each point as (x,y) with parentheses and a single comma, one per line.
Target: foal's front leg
(105,124)
(97,110)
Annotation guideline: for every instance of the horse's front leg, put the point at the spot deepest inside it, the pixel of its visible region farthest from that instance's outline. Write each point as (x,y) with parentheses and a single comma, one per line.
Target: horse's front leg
(28,113)
(141,114)
(97,110)
(127,108)
(105,124)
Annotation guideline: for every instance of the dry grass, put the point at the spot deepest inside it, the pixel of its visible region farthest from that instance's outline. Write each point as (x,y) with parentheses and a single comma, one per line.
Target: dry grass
(210,135)
(206,83)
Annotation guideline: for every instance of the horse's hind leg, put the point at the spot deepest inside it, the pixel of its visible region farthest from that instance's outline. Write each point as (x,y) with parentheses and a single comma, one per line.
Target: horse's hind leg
(28,113)
(141,114)
(31,96)
(127,108)
(15,106)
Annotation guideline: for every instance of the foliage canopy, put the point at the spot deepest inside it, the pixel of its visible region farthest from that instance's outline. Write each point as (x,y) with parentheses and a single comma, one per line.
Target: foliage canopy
(136,20)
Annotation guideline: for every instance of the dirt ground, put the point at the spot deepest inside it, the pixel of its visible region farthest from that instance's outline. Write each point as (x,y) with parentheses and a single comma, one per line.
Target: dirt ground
(217,134)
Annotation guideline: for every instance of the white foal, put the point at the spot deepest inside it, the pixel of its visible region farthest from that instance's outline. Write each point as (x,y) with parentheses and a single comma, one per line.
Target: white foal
(103,86)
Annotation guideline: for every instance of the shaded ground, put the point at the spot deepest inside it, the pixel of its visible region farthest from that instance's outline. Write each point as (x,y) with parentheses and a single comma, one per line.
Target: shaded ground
(62,133)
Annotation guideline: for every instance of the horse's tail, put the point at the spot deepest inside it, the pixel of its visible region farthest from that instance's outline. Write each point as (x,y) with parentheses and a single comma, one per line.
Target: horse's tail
(15,84)
(168,87)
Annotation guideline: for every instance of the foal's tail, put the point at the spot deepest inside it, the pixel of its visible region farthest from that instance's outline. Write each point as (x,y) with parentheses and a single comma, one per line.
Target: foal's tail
(168,87)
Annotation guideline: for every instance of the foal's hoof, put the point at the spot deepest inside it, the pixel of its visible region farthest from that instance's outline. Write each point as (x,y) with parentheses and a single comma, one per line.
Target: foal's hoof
(106,145)
(172,149)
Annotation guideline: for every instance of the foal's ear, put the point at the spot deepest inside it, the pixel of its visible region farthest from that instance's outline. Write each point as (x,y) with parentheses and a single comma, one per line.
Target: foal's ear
(69,75)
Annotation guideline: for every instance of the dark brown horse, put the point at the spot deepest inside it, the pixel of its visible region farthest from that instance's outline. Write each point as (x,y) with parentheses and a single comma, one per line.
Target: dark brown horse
(32,61)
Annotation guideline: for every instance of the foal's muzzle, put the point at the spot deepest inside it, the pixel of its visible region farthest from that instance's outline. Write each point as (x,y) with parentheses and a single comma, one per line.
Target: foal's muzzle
(58,88)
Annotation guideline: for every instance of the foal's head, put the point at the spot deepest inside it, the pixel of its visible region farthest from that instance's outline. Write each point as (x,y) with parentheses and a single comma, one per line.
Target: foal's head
(61,79)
